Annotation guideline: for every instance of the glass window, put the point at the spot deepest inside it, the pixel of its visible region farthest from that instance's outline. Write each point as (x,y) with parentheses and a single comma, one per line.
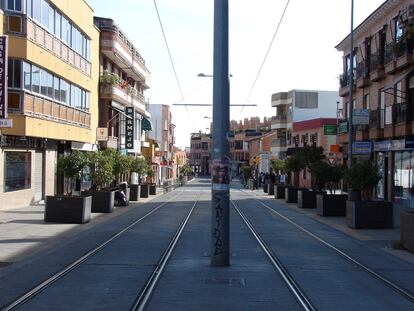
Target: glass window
(50,85)
(56,88)
(58,21)
(43,82)
(72,96)
(27,76)
(29,11)
(73,37)
(398,29)
(87,103)
(17,171)
(35,79)
(51,26)
(10,73)
(36,10)
(65,30)
(63,96)
(88,49)
(14,5)
(45,14)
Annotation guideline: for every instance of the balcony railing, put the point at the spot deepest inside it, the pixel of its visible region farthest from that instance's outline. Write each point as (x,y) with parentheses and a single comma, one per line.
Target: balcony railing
(345,78)
(279,118)
(36,106)
(279,142)
(400,113)
(54,45)
(362,70)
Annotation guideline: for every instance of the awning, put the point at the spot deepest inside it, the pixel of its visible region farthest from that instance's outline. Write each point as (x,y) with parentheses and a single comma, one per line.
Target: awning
(146,124)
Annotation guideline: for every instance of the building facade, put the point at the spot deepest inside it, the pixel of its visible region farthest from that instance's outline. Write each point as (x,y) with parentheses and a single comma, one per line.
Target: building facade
(53,70)
(200,153)
(298,105)
(383,97)
(163,133)
(123,80)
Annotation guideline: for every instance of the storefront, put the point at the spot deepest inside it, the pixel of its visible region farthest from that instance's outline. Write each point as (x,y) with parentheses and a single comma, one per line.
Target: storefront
(395,159)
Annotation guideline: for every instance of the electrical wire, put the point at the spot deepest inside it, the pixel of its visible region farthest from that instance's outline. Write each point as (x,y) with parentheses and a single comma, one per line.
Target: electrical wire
(268,50)
(171,60)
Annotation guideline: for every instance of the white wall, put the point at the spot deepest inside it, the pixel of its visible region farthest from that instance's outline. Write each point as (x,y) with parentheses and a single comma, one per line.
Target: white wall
(326,107)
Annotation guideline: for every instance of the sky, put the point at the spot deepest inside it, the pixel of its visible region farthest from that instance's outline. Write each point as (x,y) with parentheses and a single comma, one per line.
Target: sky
(302,56)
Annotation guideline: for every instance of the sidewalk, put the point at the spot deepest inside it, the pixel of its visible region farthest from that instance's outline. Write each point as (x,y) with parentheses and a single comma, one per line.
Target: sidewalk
(23,231)
(380,238)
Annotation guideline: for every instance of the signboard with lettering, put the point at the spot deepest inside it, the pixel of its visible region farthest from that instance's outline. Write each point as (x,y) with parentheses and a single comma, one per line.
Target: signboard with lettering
(360,116)
(343,127)
(129,127)
(102,134)
(3,77)
(329,129)
(362,147)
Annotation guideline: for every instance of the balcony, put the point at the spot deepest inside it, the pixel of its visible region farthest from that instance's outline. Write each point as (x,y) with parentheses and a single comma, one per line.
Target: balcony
(279,122)
(398,55)
(47,41)
(124,95)
(344,81)
(377,67)
(362,75)
(282,98)
(116,46)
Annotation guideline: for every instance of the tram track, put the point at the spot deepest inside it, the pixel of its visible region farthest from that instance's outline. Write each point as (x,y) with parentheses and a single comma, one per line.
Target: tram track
(31,294)
(384,280)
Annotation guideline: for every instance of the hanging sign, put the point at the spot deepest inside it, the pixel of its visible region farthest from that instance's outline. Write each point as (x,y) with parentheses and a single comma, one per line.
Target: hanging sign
(129,127)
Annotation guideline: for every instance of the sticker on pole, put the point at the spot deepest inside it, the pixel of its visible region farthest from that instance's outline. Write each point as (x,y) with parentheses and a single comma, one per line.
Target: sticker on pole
(220,173)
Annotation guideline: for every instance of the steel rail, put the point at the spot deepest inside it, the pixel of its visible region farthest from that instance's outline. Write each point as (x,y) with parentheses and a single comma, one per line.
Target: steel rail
(299,294)
(43,285)
(145,294)
(405,293)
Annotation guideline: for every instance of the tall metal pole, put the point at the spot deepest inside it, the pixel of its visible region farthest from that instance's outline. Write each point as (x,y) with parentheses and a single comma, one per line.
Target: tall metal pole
(220,193)
(351,88)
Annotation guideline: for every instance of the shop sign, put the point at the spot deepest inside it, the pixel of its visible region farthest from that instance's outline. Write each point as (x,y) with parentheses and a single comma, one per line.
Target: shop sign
(361,147)
(409,142)
(343,127)
(102,134)
(329,129)
(383,145)
(398,144)
(6,123)
(129,127)
(360,116)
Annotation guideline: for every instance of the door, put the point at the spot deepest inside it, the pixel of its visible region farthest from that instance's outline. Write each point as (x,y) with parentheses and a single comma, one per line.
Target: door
(38,176)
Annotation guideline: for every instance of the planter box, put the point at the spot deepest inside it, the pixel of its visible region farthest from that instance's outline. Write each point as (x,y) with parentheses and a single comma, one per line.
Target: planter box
(102,201)
(271,189)
(369,214)
(331,204)
(135,192)
(144,191)
(265,187)
(306,198)
(152,189)
(70,210)
(279,191)
(407,229)
(291,194)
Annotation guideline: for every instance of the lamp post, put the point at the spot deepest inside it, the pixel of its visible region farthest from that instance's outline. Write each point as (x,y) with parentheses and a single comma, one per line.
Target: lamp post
(220,193)
(351,88)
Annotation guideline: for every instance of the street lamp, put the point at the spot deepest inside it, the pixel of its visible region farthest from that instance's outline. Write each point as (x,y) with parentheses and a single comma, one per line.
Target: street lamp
(203,75)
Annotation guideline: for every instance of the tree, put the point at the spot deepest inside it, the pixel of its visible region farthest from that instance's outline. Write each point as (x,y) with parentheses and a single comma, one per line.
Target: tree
(72,166)
(186,170)
(139,166)
(102,168)
(326,175)
(363,176)
(294,164)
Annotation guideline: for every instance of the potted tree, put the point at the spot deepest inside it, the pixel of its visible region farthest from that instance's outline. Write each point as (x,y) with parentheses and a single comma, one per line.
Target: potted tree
(407,229)
(68,208)
(310,156)
(103,198)
(151,183)
(139,166)
(246,175)
(279,167)
(294,165)
(328,177)
(362,177)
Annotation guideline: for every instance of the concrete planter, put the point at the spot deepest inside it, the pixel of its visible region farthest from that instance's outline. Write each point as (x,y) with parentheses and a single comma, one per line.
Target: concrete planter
(369,214)
(135,192)
(291,194)
(279,191)
(144,191)
(331,204)
(103,201)
(306,198)
(265,188)
(407,229)
(152,189)
(271,189)
(65,209)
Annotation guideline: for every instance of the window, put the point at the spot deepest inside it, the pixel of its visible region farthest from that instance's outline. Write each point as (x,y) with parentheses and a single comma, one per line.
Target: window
(17,171)
(14,5)
(56,89)
(398,93)
(27,76)
(366,102)
(35,79)
(398,29)
(45,14)
(50,85)
(29,11)
(51,25)
(58,23)
(65,30)
(36,10)
(43,82)
(63,93)
(72,96)
(14,73)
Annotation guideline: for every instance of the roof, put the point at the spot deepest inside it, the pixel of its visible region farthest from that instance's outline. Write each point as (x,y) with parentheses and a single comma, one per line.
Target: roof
(313,124)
